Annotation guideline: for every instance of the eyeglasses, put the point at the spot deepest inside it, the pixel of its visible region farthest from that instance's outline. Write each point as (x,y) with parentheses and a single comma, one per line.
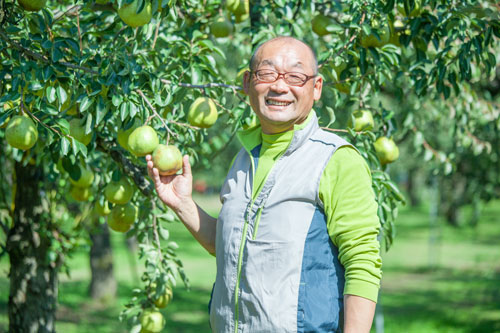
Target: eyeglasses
(291,78)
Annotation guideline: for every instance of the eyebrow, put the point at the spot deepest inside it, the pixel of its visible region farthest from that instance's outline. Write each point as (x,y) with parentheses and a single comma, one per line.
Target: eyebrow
(298,64)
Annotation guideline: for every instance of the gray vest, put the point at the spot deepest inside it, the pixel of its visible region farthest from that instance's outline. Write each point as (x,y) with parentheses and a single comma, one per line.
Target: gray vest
(277,269)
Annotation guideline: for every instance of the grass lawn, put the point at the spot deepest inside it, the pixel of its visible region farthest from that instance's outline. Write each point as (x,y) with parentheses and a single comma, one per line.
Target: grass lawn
(460,294)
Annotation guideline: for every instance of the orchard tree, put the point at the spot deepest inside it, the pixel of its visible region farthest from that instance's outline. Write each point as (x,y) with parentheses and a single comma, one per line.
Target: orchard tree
(88,88)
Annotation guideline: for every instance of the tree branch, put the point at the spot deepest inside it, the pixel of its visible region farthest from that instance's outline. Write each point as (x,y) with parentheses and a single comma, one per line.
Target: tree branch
(202,86)
(130,169)
(41,57)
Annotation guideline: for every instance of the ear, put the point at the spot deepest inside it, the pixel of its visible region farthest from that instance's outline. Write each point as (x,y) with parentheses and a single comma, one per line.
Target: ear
(318,86)
(246,82)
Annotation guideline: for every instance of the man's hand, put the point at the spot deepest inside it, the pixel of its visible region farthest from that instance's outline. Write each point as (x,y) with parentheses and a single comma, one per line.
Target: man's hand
(176,192)
(173,190)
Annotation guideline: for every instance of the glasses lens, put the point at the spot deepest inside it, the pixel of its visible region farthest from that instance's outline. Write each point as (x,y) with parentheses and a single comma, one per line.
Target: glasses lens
(266,76)
(295,78)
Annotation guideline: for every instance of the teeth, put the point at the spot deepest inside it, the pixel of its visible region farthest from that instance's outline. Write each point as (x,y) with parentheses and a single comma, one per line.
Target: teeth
(278,103)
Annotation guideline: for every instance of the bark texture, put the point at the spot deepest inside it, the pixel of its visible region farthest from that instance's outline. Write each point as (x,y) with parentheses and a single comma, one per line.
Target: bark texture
(103,283)
(33,277)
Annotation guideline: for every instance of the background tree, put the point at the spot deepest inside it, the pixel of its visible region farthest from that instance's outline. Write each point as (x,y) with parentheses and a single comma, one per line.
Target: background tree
(84,79)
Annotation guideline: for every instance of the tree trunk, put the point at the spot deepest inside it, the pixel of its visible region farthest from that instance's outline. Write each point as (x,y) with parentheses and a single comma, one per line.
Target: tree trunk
(103,282)
(33,277)
(413,187)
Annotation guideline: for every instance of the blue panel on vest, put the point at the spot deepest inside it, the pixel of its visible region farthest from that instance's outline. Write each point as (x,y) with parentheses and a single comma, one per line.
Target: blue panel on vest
(255,154)
(320,303)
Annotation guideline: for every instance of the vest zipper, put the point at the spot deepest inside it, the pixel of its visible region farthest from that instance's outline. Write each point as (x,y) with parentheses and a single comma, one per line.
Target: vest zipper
(240,255)
(243,239)
(256,222)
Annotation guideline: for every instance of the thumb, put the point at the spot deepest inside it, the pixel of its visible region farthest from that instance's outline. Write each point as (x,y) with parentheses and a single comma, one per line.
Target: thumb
(186,167)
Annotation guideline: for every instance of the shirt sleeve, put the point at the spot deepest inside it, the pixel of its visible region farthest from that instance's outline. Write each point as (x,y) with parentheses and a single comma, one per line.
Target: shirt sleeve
(352,221)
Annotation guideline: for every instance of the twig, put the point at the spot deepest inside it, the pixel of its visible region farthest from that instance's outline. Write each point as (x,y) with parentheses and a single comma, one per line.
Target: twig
(297,10)
(342,49)
(202,86)
(183,124)
(476,139)
(156,113)
(156,34)
(79,33)
(155,230)
(221,106)
(429,147)
(336,130)
(241,98)
(60,15)
(43,124)
(41,57)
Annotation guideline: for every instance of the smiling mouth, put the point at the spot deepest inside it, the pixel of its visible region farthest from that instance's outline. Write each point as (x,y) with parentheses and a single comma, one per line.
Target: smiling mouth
(277,103)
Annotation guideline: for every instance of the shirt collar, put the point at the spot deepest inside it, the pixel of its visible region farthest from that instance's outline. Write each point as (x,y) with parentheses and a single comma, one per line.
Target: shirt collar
(252,137)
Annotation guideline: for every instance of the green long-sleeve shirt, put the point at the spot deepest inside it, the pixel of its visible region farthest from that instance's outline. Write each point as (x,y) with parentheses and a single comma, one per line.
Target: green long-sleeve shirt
(349,203)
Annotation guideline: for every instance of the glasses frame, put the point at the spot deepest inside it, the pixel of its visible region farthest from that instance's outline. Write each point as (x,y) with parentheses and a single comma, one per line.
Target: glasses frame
(308,77)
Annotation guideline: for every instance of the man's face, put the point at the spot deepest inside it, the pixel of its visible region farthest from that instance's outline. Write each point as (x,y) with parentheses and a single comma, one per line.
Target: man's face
(279,105)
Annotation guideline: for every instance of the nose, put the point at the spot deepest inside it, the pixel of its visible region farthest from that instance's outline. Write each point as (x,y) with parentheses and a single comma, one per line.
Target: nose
(280,86)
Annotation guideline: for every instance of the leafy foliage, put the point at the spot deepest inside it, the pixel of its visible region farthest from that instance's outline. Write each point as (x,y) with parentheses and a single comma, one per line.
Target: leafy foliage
(81,61)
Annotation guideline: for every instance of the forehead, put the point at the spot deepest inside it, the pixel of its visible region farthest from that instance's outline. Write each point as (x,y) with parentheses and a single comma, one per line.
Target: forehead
(285,54)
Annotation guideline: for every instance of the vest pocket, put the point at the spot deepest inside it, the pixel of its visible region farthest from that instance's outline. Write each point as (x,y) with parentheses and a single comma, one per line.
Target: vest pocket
(269,287)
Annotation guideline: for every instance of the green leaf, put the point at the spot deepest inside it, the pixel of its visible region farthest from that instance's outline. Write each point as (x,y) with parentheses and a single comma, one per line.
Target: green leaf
(85,103)
(163,233)
(56,54)
(124,110)
(72,169)
(65,145)
(133,109)
(61,95)
(116,100)
(88,124)
(393,188)
(12,29)
(63,125)
(331,115)
(51,94)
(101,111)
(47,44)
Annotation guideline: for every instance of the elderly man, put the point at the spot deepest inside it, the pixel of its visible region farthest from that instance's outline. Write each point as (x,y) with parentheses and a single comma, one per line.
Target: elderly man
(296,240)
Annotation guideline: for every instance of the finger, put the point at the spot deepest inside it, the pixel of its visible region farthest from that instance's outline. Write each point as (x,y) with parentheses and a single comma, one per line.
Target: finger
(186,167)
(156,177)
(150,168)
(148,157)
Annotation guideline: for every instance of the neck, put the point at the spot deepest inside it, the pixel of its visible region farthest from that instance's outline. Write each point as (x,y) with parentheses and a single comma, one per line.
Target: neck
(274,130)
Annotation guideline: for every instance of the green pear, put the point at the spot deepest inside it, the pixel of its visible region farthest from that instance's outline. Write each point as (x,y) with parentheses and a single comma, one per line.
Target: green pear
(167,159)
(21,132)
(143,141)
(77,131)
(119,192)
